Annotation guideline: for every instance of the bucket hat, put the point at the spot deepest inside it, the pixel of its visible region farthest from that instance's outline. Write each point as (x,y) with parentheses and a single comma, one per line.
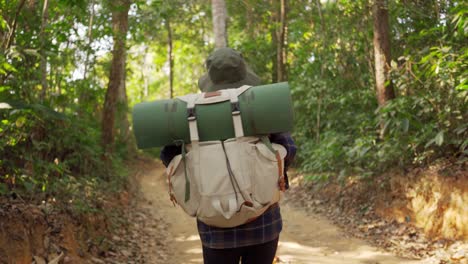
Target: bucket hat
(226,68)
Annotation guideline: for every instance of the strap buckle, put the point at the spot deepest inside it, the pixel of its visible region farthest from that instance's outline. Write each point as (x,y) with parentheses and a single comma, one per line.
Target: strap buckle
(235,108)
(191,114)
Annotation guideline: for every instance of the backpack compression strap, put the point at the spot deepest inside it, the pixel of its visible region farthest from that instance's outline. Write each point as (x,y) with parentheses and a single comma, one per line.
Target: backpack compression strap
(281,181)
(236,113)
(194,138)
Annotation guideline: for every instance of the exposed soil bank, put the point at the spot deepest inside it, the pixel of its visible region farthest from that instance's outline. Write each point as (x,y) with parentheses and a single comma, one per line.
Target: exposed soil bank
(422,213)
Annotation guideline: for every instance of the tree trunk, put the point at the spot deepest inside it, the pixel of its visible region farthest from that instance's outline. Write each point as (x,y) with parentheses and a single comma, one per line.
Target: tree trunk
(6,43)
(90,40)
(43,38)
(144,74)
(281,38)
(116,87)
(324,39)
(274,40)
(219,23)
(322,21)
(83,94)
(170,58)
(384,87)
(122,121)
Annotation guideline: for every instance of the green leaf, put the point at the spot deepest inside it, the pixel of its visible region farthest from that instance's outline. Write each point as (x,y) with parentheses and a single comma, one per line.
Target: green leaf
(446,49)
(405,125)
(29,186)
(20,121)
(439,139)
(462,87)
(3,23)
(8,67)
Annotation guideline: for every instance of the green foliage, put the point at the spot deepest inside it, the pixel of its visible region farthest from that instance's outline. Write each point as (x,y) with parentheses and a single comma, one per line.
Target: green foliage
(41,147)
(148,57)
(338,123)
(50,139)
(47,155)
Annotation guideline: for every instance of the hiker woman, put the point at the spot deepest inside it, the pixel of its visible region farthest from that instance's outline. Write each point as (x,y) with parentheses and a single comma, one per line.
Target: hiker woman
(256,241)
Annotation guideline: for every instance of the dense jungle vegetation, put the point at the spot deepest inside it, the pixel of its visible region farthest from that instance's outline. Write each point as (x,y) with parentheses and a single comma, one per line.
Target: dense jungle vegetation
(71,70)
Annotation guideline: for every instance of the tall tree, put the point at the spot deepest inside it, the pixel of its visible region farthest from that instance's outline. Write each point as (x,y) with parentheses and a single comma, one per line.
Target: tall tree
(219,23)
(281,38)
(170,58)
(274,40)
(384,87)
(278,39)
(90,38)
(43,38)
(8,39)
(116,86)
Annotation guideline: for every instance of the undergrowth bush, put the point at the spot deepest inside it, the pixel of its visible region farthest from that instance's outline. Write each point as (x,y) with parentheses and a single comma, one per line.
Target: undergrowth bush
(50,155)
(341,131)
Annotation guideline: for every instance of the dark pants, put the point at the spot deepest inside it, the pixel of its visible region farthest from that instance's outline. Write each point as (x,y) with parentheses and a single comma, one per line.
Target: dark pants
(256,254)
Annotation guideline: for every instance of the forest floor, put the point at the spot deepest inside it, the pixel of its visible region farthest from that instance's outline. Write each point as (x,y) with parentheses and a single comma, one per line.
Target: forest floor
(310,234)
(323,223)
(306,238)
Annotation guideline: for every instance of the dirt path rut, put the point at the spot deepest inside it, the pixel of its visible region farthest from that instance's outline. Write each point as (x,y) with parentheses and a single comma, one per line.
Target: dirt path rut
(306,238)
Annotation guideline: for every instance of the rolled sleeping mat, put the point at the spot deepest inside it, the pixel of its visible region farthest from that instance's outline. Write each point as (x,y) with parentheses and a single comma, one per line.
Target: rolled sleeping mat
(264,110)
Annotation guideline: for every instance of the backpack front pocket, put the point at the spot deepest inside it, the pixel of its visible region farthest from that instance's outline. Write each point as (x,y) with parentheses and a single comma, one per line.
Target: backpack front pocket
(182,183)
(224,179)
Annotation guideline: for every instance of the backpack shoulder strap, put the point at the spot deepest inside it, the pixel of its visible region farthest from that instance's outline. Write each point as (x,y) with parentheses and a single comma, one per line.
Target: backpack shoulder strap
(242,89)
(235,109)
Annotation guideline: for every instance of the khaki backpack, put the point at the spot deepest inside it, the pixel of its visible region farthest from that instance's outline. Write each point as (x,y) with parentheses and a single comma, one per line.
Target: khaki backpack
(225,183)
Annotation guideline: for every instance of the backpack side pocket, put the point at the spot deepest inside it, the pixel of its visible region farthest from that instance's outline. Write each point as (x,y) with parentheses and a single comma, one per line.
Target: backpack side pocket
(178,182)
(267,173)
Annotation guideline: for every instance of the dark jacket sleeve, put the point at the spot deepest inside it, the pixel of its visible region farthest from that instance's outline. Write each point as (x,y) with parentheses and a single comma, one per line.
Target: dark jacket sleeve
(168,153)
(287,142)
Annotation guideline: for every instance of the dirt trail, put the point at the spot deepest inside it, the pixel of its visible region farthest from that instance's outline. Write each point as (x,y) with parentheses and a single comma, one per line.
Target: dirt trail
(305,238)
